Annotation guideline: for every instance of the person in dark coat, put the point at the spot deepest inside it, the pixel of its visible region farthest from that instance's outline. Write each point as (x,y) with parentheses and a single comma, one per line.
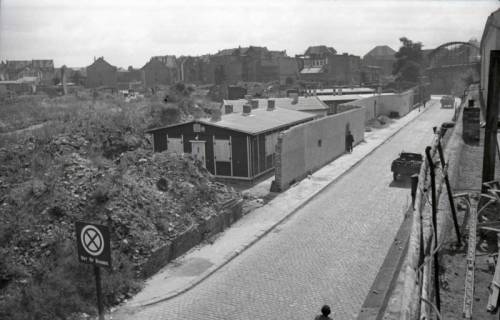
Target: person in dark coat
(325,312)
(349,140)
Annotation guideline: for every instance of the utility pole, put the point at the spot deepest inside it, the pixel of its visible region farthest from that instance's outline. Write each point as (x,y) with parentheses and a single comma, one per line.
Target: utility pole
(490,131)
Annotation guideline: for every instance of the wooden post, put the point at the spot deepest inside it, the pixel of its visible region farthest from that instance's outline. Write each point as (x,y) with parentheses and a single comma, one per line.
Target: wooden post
(434,222)
(490,131)
(450,193)
(100,309)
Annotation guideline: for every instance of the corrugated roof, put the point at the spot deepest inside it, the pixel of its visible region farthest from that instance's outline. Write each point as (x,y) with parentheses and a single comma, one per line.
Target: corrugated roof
(260,120)
(303,104)
(312,70)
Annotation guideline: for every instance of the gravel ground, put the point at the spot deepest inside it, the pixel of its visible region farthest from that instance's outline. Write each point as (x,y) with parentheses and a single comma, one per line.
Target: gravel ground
(454,259)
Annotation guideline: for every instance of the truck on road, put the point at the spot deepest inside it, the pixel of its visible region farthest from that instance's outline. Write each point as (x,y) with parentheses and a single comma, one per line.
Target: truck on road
(447,102)
(407,164)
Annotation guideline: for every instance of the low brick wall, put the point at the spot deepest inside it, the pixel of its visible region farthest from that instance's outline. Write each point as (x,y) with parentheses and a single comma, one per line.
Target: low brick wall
(230,212)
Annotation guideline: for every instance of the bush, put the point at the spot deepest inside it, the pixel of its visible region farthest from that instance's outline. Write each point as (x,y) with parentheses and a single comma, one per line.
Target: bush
(163,115)
(62,286)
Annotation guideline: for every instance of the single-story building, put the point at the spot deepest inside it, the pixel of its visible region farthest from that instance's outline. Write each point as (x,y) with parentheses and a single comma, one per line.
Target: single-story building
(310,104)
(235,145)
(340,91)
(333,101)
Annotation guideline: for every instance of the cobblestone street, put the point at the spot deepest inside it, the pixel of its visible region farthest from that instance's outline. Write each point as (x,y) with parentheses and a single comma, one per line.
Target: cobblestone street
(328,252)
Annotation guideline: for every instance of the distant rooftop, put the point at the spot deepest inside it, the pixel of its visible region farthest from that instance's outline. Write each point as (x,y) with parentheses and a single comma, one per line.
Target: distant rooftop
(303,104)
(312,70)
(347,97)
(381,51)
(318,50)
(344,91)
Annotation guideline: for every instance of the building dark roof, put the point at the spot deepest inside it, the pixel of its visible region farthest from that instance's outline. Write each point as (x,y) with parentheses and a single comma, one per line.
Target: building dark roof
(240,51)
(101,60)
(319,50)
(258,121)
(303,104)
(381,52)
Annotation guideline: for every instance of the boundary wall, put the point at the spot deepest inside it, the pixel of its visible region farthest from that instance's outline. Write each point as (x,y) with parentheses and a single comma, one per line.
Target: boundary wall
(385,104)
(307,147)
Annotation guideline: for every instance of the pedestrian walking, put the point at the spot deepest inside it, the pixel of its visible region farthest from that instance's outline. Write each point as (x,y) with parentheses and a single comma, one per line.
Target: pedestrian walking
(325,313)
(349,140)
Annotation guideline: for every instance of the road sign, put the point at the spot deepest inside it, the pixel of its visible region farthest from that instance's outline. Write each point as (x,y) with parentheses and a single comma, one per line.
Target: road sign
(93,244)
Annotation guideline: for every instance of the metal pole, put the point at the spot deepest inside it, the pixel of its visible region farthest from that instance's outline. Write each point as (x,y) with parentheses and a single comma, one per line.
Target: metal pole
(100,309)
(450,193)
(434,223)
(490,130)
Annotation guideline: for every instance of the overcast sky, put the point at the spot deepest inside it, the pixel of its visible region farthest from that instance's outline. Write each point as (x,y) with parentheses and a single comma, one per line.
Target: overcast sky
(129,32)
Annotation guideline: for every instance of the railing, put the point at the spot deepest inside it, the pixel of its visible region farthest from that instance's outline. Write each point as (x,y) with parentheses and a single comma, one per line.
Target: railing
(421,286)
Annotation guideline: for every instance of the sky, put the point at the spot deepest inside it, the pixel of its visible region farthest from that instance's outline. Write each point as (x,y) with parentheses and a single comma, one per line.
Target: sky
(127,32)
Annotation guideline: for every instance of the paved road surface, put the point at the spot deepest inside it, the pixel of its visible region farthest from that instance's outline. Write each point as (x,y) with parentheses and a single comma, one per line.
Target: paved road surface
(327,252)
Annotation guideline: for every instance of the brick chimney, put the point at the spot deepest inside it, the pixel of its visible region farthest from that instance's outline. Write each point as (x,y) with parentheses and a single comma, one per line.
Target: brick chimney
(270,105)
(215,115)
(228,108)
(247,109)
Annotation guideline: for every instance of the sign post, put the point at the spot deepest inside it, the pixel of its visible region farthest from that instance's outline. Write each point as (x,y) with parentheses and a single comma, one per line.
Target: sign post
(94,247)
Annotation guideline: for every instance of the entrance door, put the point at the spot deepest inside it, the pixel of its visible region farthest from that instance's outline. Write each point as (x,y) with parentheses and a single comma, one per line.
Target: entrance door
(198,150)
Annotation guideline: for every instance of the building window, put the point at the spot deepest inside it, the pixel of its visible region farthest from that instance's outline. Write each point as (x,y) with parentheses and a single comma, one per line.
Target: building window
(222,150)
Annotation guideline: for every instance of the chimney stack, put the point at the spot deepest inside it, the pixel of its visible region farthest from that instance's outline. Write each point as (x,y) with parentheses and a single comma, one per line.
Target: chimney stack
(270,105)
(228,108)
(215,115)
(247,109)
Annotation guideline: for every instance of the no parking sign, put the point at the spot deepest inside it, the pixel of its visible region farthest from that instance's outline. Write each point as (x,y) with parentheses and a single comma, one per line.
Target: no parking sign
(93,244)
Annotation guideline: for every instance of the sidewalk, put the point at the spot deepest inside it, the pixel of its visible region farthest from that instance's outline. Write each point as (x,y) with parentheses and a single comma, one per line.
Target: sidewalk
(202,261)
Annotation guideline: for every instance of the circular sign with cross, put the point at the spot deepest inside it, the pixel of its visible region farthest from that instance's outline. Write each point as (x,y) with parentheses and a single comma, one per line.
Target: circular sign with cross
(93,243)
(92,240)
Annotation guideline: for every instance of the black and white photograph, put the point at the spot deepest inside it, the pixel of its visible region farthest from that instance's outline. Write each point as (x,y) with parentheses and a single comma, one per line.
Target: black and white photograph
(249,159)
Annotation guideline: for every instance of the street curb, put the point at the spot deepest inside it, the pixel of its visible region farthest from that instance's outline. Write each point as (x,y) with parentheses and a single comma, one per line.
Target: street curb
(263,234)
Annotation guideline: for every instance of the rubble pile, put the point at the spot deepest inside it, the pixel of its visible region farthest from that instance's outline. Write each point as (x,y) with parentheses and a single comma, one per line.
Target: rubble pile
(147,198)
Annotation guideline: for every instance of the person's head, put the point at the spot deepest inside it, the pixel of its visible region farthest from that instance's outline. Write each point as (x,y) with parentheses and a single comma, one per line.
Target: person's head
(325,310)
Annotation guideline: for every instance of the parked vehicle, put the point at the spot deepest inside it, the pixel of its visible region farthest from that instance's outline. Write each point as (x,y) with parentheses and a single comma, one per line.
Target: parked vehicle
(447,102)
(406,165)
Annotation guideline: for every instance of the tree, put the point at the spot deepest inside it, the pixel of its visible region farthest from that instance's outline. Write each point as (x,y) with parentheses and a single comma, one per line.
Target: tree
(408,63)
(77,77)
